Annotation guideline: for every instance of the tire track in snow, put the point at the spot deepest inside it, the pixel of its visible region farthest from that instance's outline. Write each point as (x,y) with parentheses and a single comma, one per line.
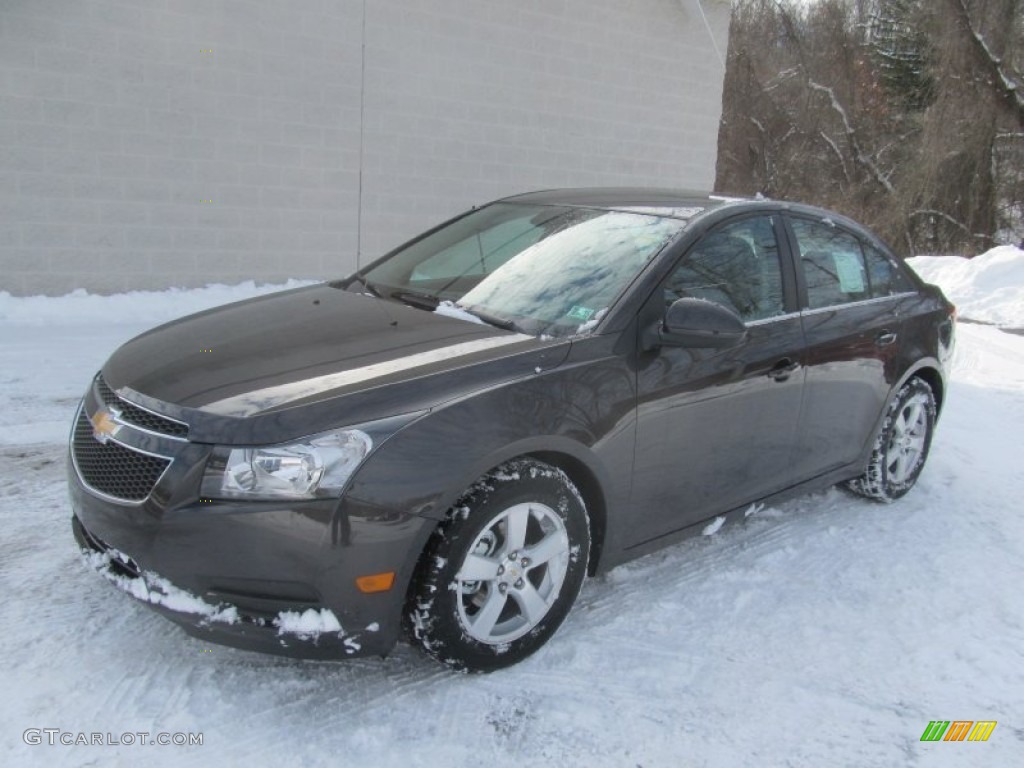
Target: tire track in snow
(739,553)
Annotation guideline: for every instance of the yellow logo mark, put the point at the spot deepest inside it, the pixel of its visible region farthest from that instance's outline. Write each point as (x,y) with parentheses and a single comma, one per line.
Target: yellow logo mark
(104,425)
(982,730)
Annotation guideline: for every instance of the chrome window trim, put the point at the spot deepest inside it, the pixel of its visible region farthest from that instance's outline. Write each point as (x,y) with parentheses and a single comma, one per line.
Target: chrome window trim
(861,303)
(772,319)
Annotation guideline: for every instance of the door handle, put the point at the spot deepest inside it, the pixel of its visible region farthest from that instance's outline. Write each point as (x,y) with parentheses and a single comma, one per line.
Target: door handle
(885,338)
(783,369)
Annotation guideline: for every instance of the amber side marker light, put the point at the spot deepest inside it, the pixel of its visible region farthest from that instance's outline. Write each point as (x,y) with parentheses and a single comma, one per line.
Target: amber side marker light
(377,582)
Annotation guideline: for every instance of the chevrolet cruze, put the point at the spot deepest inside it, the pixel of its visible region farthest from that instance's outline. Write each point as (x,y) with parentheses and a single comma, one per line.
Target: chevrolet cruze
(448,441)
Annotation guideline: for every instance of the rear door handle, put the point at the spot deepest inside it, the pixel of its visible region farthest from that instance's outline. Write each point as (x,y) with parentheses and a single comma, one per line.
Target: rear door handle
(885,338)
(783,369)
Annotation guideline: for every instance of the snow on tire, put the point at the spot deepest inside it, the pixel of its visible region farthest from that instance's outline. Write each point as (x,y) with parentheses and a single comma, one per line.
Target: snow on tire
(901,448)
(501,573)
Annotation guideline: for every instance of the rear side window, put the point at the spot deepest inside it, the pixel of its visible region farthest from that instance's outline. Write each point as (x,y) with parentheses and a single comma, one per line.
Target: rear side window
(886,278)
(832,263)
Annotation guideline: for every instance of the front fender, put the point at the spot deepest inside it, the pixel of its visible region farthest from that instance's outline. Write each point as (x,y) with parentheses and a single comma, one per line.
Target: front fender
(582,411)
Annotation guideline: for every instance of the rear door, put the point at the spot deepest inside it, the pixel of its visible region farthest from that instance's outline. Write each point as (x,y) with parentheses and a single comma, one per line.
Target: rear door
(851,325)
(715,427)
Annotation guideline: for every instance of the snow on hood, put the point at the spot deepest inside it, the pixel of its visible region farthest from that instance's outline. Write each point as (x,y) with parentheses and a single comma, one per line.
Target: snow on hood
(988,288)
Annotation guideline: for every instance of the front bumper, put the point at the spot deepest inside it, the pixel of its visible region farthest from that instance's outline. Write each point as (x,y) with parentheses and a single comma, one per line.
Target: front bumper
(257,576)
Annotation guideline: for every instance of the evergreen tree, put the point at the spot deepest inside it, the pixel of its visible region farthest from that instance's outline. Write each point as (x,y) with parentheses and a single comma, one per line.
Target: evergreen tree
(902,51)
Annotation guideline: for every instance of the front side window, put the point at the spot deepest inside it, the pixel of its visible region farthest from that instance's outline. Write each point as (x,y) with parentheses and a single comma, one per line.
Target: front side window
(832,263)
(542,269)
(736,266)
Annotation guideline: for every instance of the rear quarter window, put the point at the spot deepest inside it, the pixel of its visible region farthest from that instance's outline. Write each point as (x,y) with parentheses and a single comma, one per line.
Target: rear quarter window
(886,276)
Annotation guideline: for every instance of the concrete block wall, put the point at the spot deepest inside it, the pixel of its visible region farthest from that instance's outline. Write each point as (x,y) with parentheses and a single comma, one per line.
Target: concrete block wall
(181,142)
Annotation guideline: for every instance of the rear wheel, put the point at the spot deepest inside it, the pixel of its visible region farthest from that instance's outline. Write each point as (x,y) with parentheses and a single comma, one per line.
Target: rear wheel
(502,572)
(902,446)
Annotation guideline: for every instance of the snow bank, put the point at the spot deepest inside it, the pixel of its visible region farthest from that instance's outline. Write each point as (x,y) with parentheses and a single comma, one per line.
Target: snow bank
(154,307)
(988,288)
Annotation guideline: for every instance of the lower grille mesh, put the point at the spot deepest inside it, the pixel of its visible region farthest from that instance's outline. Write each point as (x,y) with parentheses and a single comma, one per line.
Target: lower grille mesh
(113,469)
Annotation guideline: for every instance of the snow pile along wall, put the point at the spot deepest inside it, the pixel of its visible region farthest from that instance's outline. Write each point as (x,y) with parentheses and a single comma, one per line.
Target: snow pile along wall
(147,308)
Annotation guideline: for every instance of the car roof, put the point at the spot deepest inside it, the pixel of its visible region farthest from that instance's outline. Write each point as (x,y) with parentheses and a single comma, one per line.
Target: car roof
(682,204)
(674,203)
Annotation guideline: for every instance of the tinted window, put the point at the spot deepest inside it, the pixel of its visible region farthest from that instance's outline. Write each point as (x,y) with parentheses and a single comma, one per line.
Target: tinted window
(881,273)
(832,263)
(886,278)
(736,266)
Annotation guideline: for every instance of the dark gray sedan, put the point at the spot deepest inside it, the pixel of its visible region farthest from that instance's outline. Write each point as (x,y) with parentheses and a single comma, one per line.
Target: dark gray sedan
(452,438)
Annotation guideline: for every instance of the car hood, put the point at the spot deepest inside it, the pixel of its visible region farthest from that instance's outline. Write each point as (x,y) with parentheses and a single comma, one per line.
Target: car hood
(299,361)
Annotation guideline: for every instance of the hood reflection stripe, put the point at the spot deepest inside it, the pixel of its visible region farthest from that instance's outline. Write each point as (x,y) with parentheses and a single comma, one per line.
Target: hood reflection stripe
(270,397)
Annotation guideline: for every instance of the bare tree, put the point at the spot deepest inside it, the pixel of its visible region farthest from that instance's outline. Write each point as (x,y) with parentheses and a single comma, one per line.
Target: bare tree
(903,113)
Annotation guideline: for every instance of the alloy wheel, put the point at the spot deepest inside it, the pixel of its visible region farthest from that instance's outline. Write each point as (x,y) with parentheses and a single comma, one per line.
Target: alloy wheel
(908,439)
(512,573)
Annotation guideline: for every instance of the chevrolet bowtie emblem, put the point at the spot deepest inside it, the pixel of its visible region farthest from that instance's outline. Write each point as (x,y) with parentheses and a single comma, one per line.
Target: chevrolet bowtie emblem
(104,424)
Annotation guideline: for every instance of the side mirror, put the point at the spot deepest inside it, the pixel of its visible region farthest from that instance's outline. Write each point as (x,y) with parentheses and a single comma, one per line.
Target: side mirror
(697,323)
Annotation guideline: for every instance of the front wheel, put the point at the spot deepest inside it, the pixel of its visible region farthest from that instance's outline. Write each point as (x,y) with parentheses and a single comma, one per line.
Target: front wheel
(502,572)
(902,446)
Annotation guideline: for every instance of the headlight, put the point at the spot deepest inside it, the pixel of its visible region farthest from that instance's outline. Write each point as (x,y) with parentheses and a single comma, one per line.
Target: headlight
(319,465)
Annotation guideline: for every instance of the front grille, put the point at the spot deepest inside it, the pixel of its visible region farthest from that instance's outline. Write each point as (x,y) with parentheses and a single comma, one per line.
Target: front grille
(140,417)
(111,468)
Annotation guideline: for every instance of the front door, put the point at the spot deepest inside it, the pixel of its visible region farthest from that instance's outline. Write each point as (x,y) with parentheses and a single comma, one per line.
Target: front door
(715,427)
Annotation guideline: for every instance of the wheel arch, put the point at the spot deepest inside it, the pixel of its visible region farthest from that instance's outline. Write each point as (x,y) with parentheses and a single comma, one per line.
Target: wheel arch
(927,370)
(933,378)
(593,498)
(434,612)
(585,477)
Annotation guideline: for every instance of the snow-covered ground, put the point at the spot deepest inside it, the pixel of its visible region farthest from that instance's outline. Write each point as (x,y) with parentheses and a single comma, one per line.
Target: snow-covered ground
(827,631)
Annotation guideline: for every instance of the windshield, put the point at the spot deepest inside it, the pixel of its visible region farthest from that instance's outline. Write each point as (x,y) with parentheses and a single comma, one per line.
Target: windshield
(540,269)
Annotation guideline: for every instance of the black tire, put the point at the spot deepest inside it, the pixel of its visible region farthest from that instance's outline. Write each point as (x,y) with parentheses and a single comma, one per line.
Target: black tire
(516,603)
(902,446)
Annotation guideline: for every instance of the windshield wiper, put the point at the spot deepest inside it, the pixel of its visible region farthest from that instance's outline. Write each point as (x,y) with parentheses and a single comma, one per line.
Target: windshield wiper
(430,303)
(498,322)
(418,300)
